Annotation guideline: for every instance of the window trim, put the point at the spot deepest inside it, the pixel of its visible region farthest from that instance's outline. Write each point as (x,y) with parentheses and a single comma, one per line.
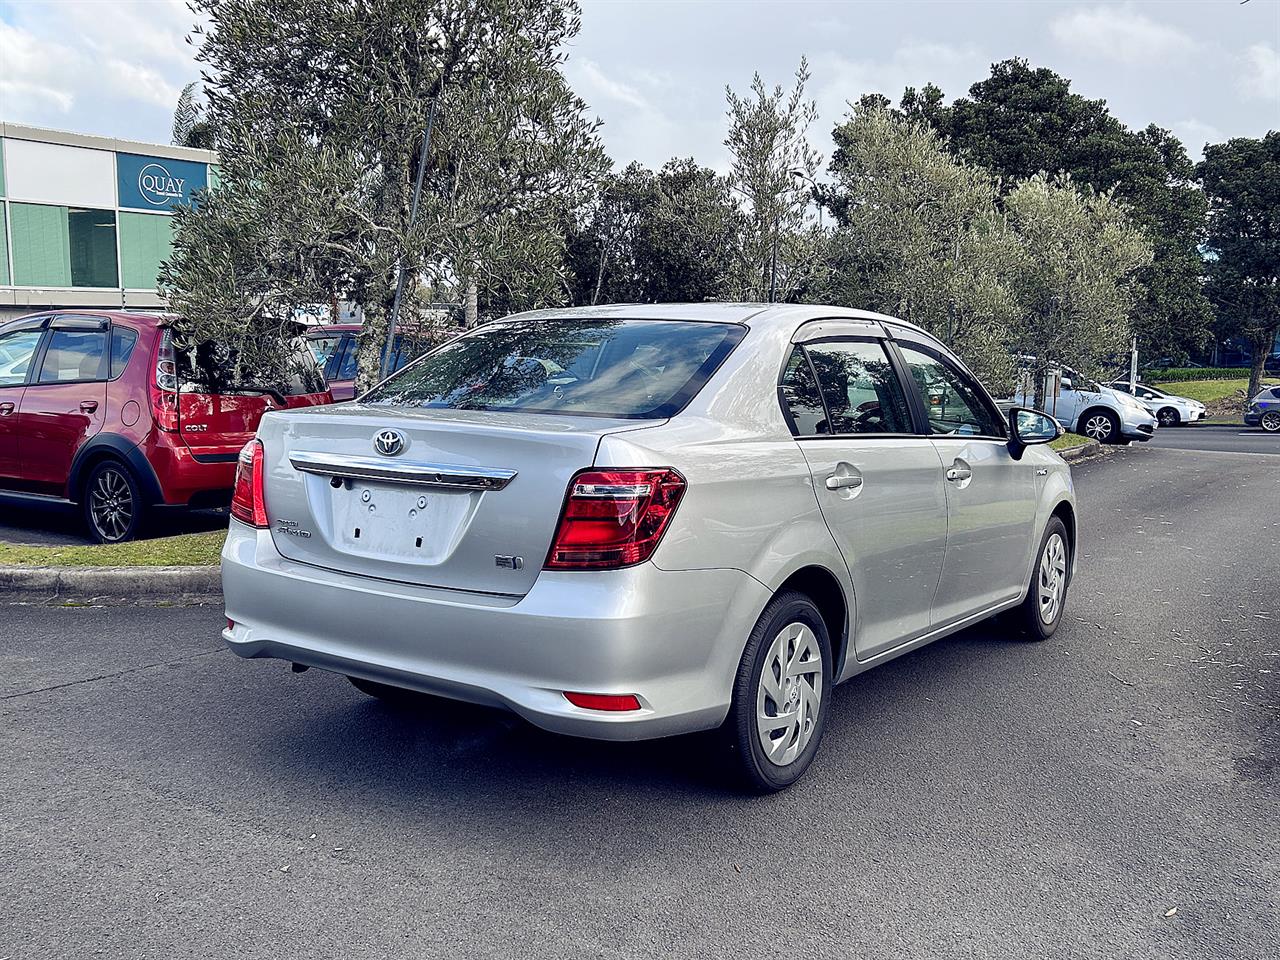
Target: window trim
(922,408)
(885,345)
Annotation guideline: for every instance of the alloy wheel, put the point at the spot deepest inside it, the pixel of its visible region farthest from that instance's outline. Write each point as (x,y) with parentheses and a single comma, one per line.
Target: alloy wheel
(111,504)
(789,694)
(1098,427)
(1052,580)
(1271,421)
(1167,417)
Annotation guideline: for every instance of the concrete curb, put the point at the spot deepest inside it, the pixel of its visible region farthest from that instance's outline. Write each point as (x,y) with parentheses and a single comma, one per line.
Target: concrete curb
(1086,449)
(171,584)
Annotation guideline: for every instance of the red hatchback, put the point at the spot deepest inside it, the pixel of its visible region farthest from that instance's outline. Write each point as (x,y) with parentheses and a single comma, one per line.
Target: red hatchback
(92,412)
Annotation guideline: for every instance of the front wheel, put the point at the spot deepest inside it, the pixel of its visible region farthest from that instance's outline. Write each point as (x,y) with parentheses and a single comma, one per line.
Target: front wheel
(1041,611)
(1271,421)
(781,694)
(1101,425)
(112,503)
(1168,417)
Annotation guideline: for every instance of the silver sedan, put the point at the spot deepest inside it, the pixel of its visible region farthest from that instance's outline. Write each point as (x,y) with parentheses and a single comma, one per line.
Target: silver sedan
(634,521)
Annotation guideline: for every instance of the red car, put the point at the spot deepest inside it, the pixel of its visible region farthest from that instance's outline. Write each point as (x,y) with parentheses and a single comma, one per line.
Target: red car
(92,412)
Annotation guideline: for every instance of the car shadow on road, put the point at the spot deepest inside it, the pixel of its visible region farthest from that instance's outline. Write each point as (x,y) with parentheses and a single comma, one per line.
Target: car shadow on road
(438,755)
(31,523)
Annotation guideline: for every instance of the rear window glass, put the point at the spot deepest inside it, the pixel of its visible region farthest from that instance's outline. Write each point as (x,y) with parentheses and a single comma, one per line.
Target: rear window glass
(212,368)
(636,369)
(123,340)
(74,355)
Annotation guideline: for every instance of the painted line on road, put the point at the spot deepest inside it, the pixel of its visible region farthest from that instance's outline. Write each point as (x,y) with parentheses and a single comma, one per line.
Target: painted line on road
(1215,453)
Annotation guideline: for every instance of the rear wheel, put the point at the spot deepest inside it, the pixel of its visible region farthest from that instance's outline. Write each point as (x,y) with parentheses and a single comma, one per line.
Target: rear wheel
(781,694)
(1271,421)
(1101,425)
(1168,417)
(112,503)
(1041,611)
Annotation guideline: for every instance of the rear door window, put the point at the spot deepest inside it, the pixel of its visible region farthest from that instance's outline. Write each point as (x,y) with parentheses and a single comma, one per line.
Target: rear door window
(636,369)
(74,355)
(860,387)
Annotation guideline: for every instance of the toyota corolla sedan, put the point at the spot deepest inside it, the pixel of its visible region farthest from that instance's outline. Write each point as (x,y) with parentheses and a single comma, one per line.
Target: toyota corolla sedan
(634,521)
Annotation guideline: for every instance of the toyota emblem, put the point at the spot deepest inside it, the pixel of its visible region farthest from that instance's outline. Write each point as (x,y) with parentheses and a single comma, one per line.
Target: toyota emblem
(388,442)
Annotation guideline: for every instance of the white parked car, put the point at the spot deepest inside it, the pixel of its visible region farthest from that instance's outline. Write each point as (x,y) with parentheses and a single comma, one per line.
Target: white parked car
(1170,410)
(1092,410)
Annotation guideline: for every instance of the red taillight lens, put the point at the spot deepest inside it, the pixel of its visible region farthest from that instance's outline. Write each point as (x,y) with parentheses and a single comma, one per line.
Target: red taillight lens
(614,518)
(604,701)
(164,385)
(248,505)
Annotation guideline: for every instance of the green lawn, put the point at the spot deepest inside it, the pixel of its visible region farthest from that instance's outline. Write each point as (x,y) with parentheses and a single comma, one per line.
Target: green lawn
(190,549)
(1208,391)
(1069,440)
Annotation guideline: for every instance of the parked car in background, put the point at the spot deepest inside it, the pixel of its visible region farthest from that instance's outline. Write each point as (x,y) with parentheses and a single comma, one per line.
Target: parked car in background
(335,348)
(628,522)
(94,410)
(1101,413)
(1170,410)
(1264,410)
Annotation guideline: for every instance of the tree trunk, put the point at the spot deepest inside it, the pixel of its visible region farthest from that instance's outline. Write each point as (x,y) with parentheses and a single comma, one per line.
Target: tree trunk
(1261,349)
(472,306)
(373,335)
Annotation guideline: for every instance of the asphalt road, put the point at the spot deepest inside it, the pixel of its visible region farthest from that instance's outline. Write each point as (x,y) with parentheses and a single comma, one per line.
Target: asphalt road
(60,525)
(984,797)
(1222,438)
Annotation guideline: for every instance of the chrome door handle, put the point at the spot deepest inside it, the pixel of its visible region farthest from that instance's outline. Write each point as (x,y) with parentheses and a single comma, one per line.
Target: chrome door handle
(838,482)
(6,409)
(956,474)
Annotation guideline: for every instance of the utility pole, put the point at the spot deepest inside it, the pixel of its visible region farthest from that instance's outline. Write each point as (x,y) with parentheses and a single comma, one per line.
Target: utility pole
(1133,368)
(385,368)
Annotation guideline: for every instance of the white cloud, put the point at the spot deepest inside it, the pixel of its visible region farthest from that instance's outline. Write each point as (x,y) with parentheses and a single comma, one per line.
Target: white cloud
(635,128)
(32,83)
(1194,135)
(838,81)
(1120,34)
(1261,76)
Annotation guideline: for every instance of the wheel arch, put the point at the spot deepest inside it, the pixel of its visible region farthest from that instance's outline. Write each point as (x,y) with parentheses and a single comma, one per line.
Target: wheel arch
(1065,512)
(823,587)
(112,447)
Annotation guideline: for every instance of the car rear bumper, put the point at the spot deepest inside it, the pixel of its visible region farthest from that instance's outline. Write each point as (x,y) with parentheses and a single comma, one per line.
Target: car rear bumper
(671,638)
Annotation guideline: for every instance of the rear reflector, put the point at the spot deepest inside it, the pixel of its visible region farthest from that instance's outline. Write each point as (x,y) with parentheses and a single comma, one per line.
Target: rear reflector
(604,701)
(614,518)
(248,503)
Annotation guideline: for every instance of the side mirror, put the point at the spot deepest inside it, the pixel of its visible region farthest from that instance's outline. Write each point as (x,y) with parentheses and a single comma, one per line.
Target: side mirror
(1029,427)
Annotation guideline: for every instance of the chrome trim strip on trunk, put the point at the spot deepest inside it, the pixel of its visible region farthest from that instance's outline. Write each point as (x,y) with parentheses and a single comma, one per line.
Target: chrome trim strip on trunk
(402,471)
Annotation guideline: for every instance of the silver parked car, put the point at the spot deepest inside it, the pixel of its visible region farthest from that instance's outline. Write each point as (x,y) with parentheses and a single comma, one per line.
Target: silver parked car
(633,521)
(1169,409)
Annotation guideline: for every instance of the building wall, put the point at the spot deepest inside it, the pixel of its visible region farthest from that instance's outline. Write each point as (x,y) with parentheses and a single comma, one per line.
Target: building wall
(86,221)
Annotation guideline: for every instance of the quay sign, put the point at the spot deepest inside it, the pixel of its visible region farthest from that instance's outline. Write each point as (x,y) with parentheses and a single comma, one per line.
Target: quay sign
(157,183)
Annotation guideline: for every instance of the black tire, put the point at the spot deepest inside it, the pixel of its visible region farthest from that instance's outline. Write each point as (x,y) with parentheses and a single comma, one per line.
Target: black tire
(1031,615)
(1270,421)
(111,501)
(1099,424)
(386,691)
(1168,417)
(755,769)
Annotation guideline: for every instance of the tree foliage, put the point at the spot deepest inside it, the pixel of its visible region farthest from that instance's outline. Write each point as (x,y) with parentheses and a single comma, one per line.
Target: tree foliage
(1242,181)
(325,100)
(190,128)
(668,236)
(773,172)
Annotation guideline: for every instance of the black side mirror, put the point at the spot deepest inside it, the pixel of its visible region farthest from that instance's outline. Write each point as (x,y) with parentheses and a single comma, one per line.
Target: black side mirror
(1028,427)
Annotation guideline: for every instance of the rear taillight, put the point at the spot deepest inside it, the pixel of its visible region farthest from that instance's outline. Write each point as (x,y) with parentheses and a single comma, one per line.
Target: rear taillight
(614,518)
(164,385)
(248,505)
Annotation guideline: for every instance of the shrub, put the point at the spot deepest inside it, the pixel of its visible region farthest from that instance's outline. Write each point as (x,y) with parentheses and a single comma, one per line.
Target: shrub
(1180,374)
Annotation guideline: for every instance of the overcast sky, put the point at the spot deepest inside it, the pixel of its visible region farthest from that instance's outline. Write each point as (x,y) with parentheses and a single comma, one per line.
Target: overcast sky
(655,70)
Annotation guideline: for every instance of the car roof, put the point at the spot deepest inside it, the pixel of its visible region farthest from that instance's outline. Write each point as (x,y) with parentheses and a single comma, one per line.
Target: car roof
(136,317)
(755,315)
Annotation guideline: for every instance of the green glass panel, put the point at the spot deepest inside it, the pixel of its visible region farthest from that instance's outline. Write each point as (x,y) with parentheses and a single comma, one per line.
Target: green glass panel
(4,248)
(146,240)
(214,179)
(92,236)
(2,168)
(41,248)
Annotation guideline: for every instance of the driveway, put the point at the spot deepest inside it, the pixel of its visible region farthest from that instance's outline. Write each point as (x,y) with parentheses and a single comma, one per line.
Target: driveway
(983,797)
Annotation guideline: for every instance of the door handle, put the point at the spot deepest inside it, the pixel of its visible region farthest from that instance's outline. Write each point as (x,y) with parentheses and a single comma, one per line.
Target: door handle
(88,406)
(6,409)
(838,482)
(958,473)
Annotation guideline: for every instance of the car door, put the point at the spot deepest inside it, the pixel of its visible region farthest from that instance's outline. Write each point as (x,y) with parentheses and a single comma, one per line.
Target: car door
(19,344)
(878,482)
(64,403)
(991,497)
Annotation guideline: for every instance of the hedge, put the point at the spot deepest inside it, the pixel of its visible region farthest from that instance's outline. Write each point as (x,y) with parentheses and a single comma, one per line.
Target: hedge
(1179,374)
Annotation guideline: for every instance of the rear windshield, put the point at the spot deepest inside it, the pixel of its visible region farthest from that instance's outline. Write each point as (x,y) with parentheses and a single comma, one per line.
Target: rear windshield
(635,369)
(211,368)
